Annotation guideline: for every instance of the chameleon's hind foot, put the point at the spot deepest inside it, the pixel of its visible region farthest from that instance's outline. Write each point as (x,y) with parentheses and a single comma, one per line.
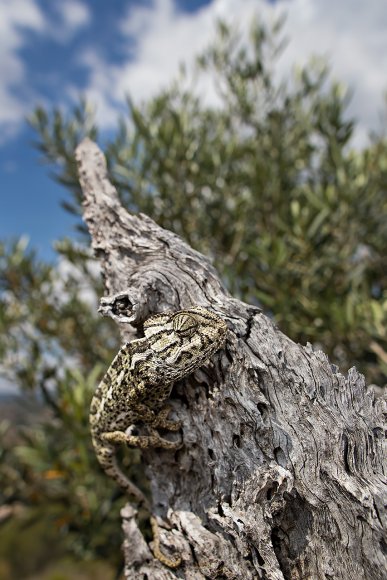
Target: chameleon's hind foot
(158,441)
(162,422)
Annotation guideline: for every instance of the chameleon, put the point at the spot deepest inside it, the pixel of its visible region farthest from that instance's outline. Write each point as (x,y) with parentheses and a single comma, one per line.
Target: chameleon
(138,383)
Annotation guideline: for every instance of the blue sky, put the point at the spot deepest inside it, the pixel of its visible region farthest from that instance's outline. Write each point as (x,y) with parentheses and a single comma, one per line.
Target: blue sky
(50,52)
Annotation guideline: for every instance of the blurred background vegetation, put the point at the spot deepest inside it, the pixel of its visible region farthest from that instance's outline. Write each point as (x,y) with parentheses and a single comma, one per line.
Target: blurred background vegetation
(270,186)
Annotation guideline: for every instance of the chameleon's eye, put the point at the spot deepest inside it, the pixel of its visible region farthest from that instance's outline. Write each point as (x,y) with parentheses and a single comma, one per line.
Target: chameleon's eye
(184,324)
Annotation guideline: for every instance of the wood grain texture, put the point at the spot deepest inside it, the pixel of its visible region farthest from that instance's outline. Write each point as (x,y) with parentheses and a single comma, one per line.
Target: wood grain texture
(283,470)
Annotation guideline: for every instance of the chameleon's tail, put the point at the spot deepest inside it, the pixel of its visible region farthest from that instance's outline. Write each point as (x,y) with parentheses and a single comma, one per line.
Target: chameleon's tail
(106,456)
(170,562)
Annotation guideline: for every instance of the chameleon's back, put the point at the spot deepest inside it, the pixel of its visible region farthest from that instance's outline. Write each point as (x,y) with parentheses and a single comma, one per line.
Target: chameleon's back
(142,372)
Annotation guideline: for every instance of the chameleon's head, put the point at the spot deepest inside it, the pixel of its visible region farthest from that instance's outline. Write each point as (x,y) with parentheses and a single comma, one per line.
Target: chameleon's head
(182,341)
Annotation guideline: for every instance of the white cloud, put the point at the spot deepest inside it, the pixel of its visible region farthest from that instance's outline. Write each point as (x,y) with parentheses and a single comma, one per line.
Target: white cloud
(101,92)
(158,37)
(73,15)
(350,33)
(15,17)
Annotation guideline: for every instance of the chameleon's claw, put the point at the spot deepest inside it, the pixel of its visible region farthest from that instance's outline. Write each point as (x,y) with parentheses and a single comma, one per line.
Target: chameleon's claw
(162,422)
(171,425)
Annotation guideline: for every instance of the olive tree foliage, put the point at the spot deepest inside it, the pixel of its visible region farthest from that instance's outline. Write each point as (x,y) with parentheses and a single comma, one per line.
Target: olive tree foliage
(54,348)
(267,183)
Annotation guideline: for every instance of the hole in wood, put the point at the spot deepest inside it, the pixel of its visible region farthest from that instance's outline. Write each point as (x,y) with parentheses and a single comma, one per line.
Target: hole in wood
(280,457)
(345,454)
(220,510)
(271,491)
(262,408)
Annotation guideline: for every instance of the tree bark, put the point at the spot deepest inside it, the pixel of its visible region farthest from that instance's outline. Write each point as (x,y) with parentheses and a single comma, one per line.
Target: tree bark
(282,472)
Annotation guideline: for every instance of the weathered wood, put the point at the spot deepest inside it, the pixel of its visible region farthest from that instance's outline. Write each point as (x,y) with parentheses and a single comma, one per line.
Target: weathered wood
(282,472)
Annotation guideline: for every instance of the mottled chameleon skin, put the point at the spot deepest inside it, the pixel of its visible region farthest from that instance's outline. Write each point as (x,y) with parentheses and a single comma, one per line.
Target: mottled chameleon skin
(139,381)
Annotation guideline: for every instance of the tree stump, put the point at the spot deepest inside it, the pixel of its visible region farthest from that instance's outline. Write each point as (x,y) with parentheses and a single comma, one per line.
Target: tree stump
(282,471)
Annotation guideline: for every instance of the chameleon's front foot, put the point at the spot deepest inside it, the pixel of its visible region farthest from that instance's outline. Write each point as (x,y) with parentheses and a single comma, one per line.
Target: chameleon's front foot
(142,441)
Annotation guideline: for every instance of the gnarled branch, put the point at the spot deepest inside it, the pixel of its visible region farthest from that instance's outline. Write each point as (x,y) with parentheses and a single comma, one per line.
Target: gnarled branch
(282,470)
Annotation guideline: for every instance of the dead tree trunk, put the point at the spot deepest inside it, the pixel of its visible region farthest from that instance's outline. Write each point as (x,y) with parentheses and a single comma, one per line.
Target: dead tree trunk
(282,470)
